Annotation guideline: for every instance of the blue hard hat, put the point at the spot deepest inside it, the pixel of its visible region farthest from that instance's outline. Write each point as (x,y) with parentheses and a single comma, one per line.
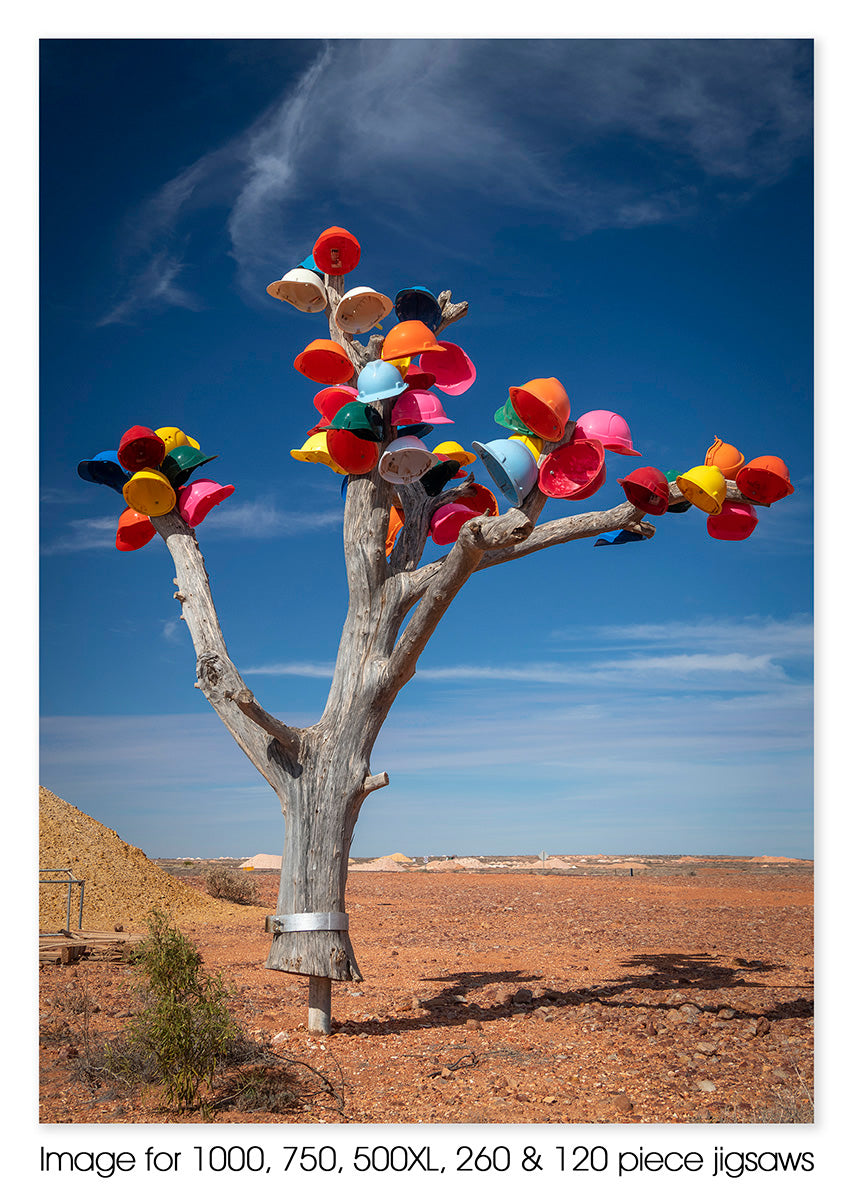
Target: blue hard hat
(379,381)
(617,537)
(104,468)
(511,465)
(418,304)
(309,265)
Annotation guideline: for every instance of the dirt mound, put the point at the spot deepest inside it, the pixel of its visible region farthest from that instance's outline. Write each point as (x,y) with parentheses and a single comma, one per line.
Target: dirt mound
(262,862)
(121,884)
(387,863)
(771,858)
(401,858)
(446,864)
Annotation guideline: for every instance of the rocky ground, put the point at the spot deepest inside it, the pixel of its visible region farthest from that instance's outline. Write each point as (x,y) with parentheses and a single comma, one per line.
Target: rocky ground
(509,994)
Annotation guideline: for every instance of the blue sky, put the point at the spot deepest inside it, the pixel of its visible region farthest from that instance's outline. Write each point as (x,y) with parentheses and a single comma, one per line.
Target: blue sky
(632,216)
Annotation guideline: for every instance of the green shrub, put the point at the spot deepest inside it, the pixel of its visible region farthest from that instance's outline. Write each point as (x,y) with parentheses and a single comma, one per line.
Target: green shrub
(184,1027)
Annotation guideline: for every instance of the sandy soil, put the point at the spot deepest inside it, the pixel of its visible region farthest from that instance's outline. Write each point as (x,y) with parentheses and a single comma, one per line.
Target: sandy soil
(681,994)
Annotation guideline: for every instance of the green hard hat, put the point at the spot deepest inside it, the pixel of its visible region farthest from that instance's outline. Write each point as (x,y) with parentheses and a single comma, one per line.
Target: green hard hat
(180,463)
(360,419)
(509,418)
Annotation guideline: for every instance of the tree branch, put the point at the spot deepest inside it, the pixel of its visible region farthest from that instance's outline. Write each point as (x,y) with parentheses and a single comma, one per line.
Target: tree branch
(218,678)
(479,536)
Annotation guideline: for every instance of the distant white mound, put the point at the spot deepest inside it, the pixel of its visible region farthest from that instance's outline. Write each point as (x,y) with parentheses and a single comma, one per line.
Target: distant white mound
(261,862)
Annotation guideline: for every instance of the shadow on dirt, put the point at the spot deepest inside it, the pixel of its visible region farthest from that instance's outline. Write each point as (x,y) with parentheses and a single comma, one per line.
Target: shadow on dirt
(649,972)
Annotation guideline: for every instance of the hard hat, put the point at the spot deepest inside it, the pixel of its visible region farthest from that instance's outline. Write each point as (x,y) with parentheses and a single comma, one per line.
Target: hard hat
(301,287)
(360,419)
(647,489)
(360,309)
(543,405)
(405,460)
(534,444)
(705,487)
(316,450)
(608,428)
(508,417)
(134,530)
(481,500)
(454,372)
(573,471)
(140,447)
(408,339)
(336,251)
(617,537)
(765,479)
(104,468)
(436,478)
(199,497)
(734,522)
(677,506)
(149,491)
(331,399)
(417,378)
(402,364)
(355,455)
(512,467)
(725,456)
(418,405)
(309,265)
(379,381)
(172,437)
(448,520)
(181,462)
(456,452)
(324,361)
(419,429)
(396,521)
(418,304)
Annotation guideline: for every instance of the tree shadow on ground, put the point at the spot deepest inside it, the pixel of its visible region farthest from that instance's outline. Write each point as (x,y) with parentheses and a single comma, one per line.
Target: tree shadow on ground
(647,972)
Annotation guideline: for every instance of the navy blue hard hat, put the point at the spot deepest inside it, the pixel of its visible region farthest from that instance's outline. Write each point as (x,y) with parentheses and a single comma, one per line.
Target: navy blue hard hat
(104,468)
(418,304)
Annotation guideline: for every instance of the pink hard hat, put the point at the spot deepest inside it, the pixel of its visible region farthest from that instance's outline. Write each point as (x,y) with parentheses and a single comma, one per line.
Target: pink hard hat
(454,372)
(448,521)
(608,428)
(417,404)
(197,499)
(573,471)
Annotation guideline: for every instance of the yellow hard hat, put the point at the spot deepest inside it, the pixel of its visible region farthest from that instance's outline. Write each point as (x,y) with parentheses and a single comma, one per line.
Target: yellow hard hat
(705,487)
(172,437)
(149,491)
(456,452)
(534,444)
(316,450)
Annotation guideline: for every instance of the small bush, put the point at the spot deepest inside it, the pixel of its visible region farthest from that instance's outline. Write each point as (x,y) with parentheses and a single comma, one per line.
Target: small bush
(223,884)
(184,1027)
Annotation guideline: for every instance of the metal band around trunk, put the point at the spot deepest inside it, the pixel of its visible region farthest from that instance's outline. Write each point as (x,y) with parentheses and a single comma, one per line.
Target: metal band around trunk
(302,922)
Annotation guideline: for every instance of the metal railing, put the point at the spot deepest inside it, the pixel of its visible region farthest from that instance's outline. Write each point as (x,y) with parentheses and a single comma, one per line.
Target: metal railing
(69,879)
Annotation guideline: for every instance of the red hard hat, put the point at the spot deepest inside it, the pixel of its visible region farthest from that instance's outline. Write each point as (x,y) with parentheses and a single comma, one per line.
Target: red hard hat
(647,489)
(134,530)
(336,251)
(765,479)
(140,447)
(324,361)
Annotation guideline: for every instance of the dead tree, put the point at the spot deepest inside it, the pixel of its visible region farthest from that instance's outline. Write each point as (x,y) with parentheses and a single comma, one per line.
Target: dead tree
(323,774)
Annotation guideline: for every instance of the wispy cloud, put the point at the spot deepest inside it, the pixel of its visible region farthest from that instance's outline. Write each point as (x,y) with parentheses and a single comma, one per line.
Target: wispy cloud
(251,519)
(677,121)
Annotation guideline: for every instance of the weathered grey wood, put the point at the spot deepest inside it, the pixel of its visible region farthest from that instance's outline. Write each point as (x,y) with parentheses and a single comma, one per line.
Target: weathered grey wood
(319,1004)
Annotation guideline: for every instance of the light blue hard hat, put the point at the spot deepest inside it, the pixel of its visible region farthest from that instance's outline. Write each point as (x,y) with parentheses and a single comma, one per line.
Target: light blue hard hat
(511,465)
(379,381)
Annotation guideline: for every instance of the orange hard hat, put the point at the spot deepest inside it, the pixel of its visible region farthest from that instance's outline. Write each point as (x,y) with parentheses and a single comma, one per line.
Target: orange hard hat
(408,339)
(395,524)
(543,406)
(336,251)
(324,361)
(765,479)
(727,458)
(134,530)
